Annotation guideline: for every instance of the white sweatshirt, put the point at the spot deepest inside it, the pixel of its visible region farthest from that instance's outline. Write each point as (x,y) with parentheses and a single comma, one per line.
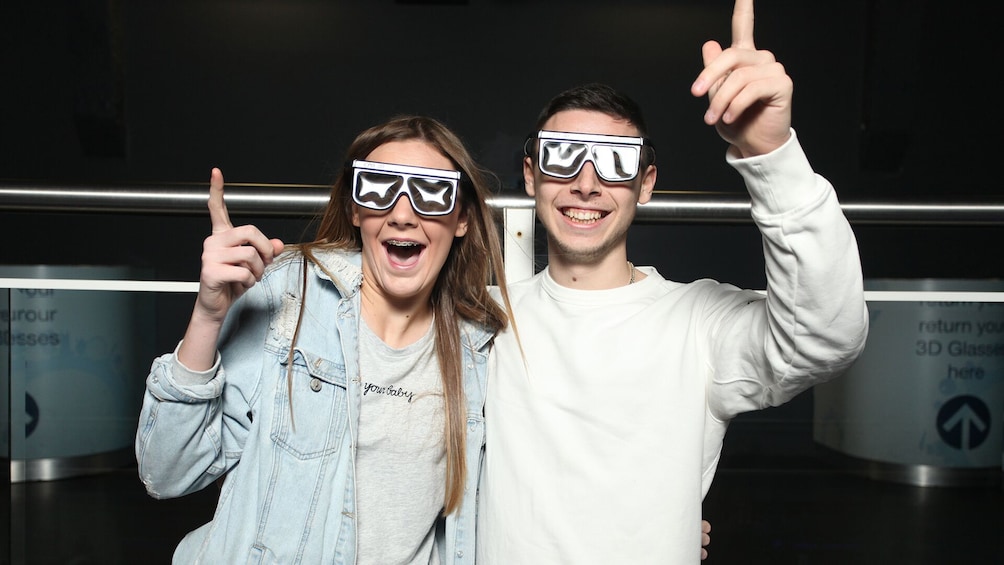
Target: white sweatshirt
(603,444)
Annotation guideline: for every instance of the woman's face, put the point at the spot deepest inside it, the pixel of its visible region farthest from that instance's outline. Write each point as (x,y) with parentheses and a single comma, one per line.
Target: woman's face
(403,251)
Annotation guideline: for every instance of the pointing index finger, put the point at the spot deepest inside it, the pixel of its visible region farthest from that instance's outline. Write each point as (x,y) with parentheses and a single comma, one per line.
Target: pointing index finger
(742,24)
(218,214)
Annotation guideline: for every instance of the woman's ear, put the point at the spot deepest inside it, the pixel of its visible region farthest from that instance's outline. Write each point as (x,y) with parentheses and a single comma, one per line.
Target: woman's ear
(462,224)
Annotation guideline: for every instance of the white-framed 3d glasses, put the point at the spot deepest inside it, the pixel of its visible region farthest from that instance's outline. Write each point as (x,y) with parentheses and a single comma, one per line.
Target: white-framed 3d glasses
(377,186)
(615,158)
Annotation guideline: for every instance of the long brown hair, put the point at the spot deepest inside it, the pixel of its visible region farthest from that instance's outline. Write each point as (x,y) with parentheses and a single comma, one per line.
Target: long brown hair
(461,289)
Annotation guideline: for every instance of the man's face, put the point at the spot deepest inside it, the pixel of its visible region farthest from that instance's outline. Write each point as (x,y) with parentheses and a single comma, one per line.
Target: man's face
(586,217)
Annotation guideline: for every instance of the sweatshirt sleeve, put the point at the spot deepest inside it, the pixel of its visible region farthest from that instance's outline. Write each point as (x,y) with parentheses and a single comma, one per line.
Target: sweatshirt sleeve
(193,424)
(813,321)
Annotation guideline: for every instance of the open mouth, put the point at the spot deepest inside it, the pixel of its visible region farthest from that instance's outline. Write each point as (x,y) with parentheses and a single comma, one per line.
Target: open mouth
(403,253)
(581,216)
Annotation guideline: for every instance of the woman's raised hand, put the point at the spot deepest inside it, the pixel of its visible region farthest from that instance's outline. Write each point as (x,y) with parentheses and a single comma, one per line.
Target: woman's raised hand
(233,258)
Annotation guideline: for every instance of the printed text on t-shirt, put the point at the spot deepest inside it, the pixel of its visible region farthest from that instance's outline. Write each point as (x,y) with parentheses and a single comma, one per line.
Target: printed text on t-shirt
(388,390)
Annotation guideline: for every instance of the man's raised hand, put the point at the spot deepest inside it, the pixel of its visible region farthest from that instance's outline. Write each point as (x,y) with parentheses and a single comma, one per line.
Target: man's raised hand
(749,92)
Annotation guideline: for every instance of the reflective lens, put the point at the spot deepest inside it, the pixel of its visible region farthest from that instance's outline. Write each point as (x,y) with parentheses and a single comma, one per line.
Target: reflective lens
(377,186)
(616,158)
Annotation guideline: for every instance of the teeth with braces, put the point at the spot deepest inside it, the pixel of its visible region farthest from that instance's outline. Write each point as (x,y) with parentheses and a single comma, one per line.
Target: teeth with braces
(397,243)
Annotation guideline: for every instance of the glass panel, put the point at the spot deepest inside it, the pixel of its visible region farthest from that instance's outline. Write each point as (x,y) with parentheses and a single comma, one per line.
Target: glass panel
(6,555)
(77,359)
(74,365)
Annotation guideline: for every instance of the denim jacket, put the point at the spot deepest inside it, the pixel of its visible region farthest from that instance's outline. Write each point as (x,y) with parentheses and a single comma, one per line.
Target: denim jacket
(291,498)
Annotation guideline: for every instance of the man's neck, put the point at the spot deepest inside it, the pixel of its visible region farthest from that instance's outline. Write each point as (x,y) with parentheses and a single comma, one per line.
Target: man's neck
(612,271)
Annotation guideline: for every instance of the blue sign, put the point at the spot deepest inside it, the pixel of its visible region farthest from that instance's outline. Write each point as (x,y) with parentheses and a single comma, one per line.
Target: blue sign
(31,410)
(964,422)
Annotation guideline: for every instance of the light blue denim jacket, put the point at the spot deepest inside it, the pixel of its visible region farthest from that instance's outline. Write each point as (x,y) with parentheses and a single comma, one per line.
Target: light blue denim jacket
(291,498)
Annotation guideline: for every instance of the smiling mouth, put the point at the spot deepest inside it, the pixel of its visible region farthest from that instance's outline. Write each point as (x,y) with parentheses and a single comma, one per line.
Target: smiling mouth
(580,216)
(403,253)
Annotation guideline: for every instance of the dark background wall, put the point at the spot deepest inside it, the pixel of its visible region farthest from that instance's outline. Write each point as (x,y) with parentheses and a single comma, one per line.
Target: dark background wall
(893,101)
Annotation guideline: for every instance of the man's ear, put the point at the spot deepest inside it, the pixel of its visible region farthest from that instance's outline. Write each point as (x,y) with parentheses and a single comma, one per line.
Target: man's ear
(528,176)
(647,184)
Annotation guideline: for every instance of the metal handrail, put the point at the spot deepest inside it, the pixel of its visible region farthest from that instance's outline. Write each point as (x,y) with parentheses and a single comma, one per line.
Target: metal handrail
(294,200)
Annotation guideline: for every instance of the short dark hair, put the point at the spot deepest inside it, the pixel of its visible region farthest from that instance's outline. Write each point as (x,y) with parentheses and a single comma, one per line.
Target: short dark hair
(595,97)
(598,98)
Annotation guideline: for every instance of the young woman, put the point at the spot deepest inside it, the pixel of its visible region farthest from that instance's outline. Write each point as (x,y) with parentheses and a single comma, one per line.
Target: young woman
(338,386)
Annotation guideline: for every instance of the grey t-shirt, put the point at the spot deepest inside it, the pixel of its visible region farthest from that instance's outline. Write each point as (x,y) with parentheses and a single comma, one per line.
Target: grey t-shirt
(401,459)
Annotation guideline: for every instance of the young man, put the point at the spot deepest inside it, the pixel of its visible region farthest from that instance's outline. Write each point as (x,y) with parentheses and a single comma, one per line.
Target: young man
(606,419)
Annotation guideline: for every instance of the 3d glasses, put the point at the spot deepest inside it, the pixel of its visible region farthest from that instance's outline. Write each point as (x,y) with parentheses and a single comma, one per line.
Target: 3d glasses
(616,158)
(377,186)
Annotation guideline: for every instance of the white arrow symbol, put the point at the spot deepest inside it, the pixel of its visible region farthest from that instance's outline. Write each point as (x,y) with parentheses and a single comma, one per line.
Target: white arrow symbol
(966,417)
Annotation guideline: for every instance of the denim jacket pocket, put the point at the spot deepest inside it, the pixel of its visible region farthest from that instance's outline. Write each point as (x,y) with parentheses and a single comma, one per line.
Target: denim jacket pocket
(261,555)
(314,423)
